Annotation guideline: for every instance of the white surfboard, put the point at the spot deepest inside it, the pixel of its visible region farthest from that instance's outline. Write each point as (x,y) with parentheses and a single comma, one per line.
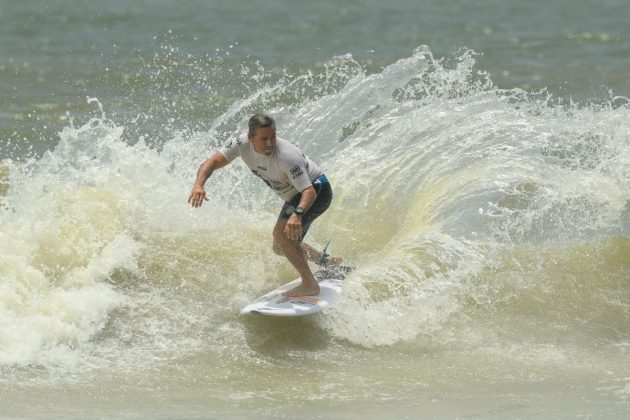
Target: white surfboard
(274,304)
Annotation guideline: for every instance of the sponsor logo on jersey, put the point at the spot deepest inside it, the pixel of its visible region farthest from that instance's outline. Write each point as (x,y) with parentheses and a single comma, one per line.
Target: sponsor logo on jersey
(274,184)
(230,143)
(296,171)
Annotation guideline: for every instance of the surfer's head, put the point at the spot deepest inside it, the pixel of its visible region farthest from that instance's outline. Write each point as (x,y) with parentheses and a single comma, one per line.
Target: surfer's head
(260,121)
(262,133)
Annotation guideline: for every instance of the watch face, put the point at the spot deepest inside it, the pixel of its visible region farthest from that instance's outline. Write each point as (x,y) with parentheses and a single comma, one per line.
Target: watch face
(291,210)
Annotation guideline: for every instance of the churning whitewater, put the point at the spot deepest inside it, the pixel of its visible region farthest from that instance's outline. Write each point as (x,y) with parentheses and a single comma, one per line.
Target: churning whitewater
(489,230)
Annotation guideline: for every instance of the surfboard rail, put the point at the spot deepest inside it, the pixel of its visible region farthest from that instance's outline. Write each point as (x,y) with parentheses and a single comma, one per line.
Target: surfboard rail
(275,304)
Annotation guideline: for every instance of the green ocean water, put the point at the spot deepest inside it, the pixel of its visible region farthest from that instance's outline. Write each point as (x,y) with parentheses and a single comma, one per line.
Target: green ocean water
(479,156)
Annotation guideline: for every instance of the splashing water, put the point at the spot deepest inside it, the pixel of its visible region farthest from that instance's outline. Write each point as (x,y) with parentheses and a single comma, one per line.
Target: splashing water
(481,221)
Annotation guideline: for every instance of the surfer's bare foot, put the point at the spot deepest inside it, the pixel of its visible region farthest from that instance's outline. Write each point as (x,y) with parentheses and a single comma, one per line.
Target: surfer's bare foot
(320,258)
(335,261)
(329,261)
(302,290)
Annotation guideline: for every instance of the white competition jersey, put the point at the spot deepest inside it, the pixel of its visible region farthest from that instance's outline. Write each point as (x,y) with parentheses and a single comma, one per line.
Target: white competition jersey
(286,170)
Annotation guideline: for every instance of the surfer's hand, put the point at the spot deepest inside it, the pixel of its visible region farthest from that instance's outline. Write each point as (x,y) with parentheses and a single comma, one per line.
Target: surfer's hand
(197,196)
(293,229)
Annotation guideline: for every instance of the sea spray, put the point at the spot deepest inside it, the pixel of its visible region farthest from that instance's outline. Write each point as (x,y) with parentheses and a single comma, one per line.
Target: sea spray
(487,227)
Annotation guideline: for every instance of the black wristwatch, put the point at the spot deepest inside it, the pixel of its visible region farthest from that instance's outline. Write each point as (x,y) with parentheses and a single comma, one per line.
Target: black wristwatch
(299,211)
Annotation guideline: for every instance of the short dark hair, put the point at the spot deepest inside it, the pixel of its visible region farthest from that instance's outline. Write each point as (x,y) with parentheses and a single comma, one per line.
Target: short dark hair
(259,121)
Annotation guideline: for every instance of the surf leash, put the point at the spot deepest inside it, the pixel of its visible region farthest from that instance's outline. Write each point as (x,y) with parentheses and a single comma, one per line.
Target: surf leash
(325,259)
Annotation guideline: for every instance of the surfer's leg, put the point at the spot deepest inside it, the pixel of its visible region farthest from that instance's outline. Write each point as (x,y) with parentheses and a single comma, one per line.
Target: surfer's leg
(316,256)
(311,254)
(295,252)
(296,256)
(321,204)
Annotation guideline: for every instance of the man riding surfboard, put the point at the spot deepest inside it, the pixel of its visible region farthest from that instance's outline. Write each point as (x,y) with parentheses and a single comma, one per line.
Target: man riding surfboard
(294,177)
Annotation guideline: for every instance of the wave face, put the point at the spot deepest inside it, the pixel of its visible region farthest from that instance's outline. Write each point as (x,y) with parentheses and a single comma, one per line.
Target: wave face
(489,229)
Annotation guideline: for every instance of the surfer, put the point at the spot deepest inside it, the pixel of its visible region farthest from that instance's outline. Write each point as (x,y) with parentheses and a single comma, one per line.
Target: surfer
(294,177)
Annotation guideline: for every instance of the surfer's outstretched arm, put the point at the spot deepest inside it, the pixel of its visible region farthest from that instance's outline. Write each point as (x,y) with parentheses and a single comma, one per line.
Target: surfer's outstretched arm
(198,194)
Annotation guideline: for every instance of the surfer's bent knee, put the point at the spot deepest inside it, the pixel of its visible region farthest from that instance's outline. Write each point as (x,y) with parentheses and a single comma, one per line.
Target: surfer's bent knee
(277,249)
(278,236)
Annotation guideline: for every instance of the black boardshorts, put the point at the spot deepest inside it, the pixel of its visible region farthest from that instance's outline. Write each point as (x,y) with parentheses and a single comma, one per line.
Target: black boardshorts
(322,201)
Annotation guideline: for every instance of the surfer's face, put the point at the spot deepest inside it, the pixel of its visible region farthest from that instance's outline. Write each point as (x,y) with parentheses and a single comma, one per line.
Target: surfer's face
(264,141)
